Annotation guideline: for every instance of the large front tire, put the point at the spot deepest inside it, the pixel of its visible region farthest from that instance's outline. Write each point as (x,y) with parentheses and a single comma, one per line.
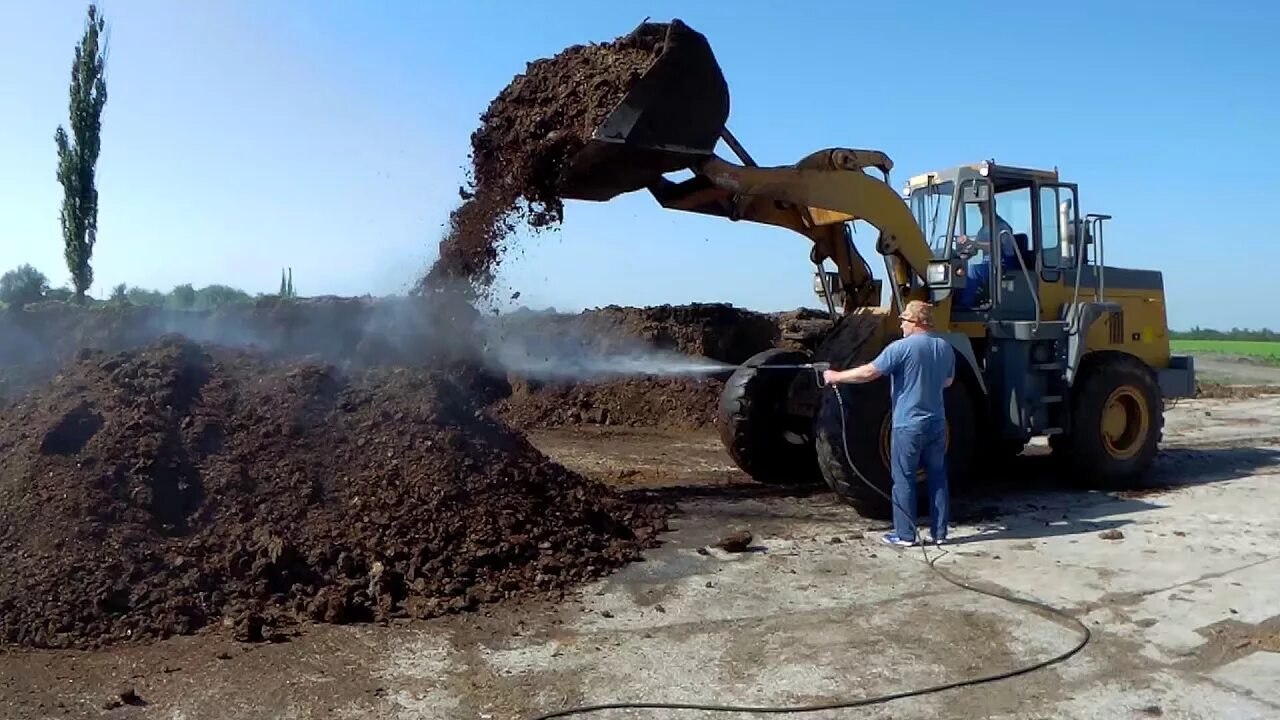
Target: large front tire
(764,440)
(868,431)
(1116,422)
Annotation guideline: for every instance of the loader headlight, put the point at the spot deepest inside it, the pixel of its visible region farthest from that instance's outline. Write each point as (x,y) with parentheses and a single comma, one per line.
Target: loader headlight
(938,273)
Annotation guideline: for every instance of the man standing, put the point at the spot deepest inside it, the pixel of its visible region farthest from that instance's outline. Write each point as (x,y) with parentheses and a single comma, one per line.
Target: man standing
(919,366)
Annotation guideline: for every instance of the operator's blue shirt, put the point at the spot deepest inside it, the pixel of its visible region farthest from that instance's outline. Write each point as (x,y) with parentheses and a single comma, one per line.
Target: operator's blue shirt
(917,366)
(1008,248)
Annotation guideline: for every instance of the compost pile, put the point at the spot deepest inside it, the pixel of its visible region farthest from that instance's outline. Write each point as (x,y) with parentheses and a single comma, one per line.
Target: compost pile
(716,331)
(528,132)
(668,403)
(160,491)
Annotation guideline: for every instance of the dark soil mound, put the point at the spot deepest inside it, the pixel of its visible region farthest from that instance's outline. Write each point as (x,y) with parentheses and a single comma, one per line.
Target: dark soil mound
(676,403)
(713,331)
(1221,391)
(718,331)
(526,135)
(157,492)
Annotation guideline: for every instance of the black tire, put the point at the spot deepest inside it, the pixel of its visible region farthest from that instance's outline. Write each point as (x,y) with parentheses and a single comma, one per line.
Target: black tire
(1119,452)
(867,420)
(754,423)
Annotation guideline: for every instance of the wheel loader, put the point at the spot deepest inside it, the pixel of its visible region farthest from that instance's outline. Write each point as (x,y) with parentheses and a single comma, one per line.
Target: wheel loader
(1050,341)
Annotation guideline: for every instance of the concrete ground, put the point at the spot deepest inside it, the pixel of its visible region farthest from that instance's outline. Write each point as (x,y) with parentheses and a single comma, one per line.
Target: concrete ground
(1176,581)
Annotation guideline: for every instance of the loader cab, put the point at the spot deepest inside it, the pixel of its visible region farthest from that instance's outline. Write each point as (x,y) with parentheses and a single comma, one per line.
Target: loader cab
(997,235)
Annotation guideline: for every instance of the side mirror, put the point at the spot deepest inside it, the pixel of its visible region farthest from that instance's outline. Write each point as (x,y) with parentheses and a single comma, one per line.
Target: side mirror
(976,192)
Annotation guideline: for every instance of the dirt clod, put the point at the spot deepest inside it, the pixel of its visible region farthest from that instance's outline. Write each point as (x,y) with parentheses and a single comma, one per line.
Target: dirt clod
(735,542)
(1111,535)
(127,696)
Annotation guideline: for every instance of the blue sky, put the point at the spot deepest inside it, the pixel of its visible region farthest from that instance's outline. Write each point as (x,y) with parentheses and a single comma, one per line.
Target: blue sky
(240,137)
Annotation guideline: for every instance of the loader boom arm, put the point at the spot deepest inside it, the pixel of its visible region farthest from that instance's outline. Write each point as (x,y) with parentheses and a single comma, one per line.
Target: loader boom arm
(815,198)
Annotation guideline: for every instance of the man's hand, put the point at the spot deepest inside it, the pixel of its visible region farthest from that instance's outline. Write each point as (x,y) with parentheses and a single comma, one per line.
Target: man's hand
(966,247)
(860,374)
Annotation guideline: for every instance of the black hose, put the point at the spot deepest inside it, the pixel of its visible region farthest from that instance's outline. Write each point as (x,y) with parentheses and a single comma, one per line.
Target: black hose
(1069,619)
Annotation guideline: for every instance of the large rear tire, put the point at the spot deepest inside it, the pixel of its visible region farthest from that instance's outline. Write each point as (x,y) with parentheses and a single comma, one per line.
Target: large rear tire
(1116,422)
(763,438)
(868,424)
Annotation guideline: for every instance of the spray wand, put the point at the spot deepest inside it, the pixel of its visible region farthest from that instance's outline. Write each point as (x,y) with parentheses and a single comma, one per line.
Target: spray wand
(818,369)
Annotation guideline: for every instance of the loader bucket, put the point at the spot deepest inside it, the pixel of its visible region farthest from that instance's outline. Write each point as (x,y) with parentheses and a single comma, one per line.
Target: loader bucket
(670,120)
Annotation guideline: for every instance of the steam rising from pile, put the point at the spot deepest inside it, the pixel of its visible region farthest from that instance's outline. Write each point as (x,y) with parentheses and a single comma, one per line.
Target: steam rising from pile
(392,331)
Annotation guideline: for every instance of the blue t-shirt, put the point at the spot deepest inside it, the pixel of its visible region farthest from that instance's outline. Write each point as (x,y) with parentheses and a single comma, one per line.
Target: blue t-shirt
(917,366)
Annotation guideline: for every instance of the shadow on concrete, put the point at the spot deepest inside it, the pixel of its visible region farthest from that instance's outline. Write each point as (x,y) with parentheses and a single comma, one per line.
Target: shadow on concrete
(1034,498)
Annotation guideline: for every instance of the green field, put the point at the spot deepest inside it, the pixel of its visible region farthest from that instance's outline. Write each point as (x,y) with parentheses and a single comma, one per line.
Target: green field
(1268,352)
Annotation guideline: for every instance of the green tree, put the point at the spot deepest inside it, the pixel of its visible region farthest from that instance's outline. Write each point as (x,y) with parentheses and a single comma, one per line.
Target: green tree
(120,293)
(61,294)
(290,291)
(23,285)
(182,297)
(284,287)
(216,296)
(78,158)
(145,298)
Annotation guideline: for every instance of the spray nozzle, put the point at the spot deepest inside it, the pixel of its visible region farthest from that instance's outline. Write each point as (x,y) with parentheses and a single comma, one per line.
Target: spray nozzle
(819,368)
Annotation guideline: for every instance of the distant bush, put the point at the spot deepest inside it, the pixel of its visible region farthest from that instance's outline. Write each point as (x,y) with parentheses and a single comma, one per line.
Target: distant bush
(60,294)
(1199,333)
(145,298)
(216,296)
(182,297)
(23,285)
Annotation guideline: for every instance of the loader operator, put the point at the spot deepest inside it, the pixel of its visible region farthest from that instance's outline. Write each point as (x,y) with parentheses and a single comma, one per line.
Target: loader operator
(919,366)
(979,275)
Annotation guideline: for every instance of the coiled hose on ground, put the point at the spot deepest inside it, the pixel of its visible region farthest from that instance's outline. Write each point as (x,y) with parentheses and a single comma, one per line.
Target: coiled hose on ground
(1067,619)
